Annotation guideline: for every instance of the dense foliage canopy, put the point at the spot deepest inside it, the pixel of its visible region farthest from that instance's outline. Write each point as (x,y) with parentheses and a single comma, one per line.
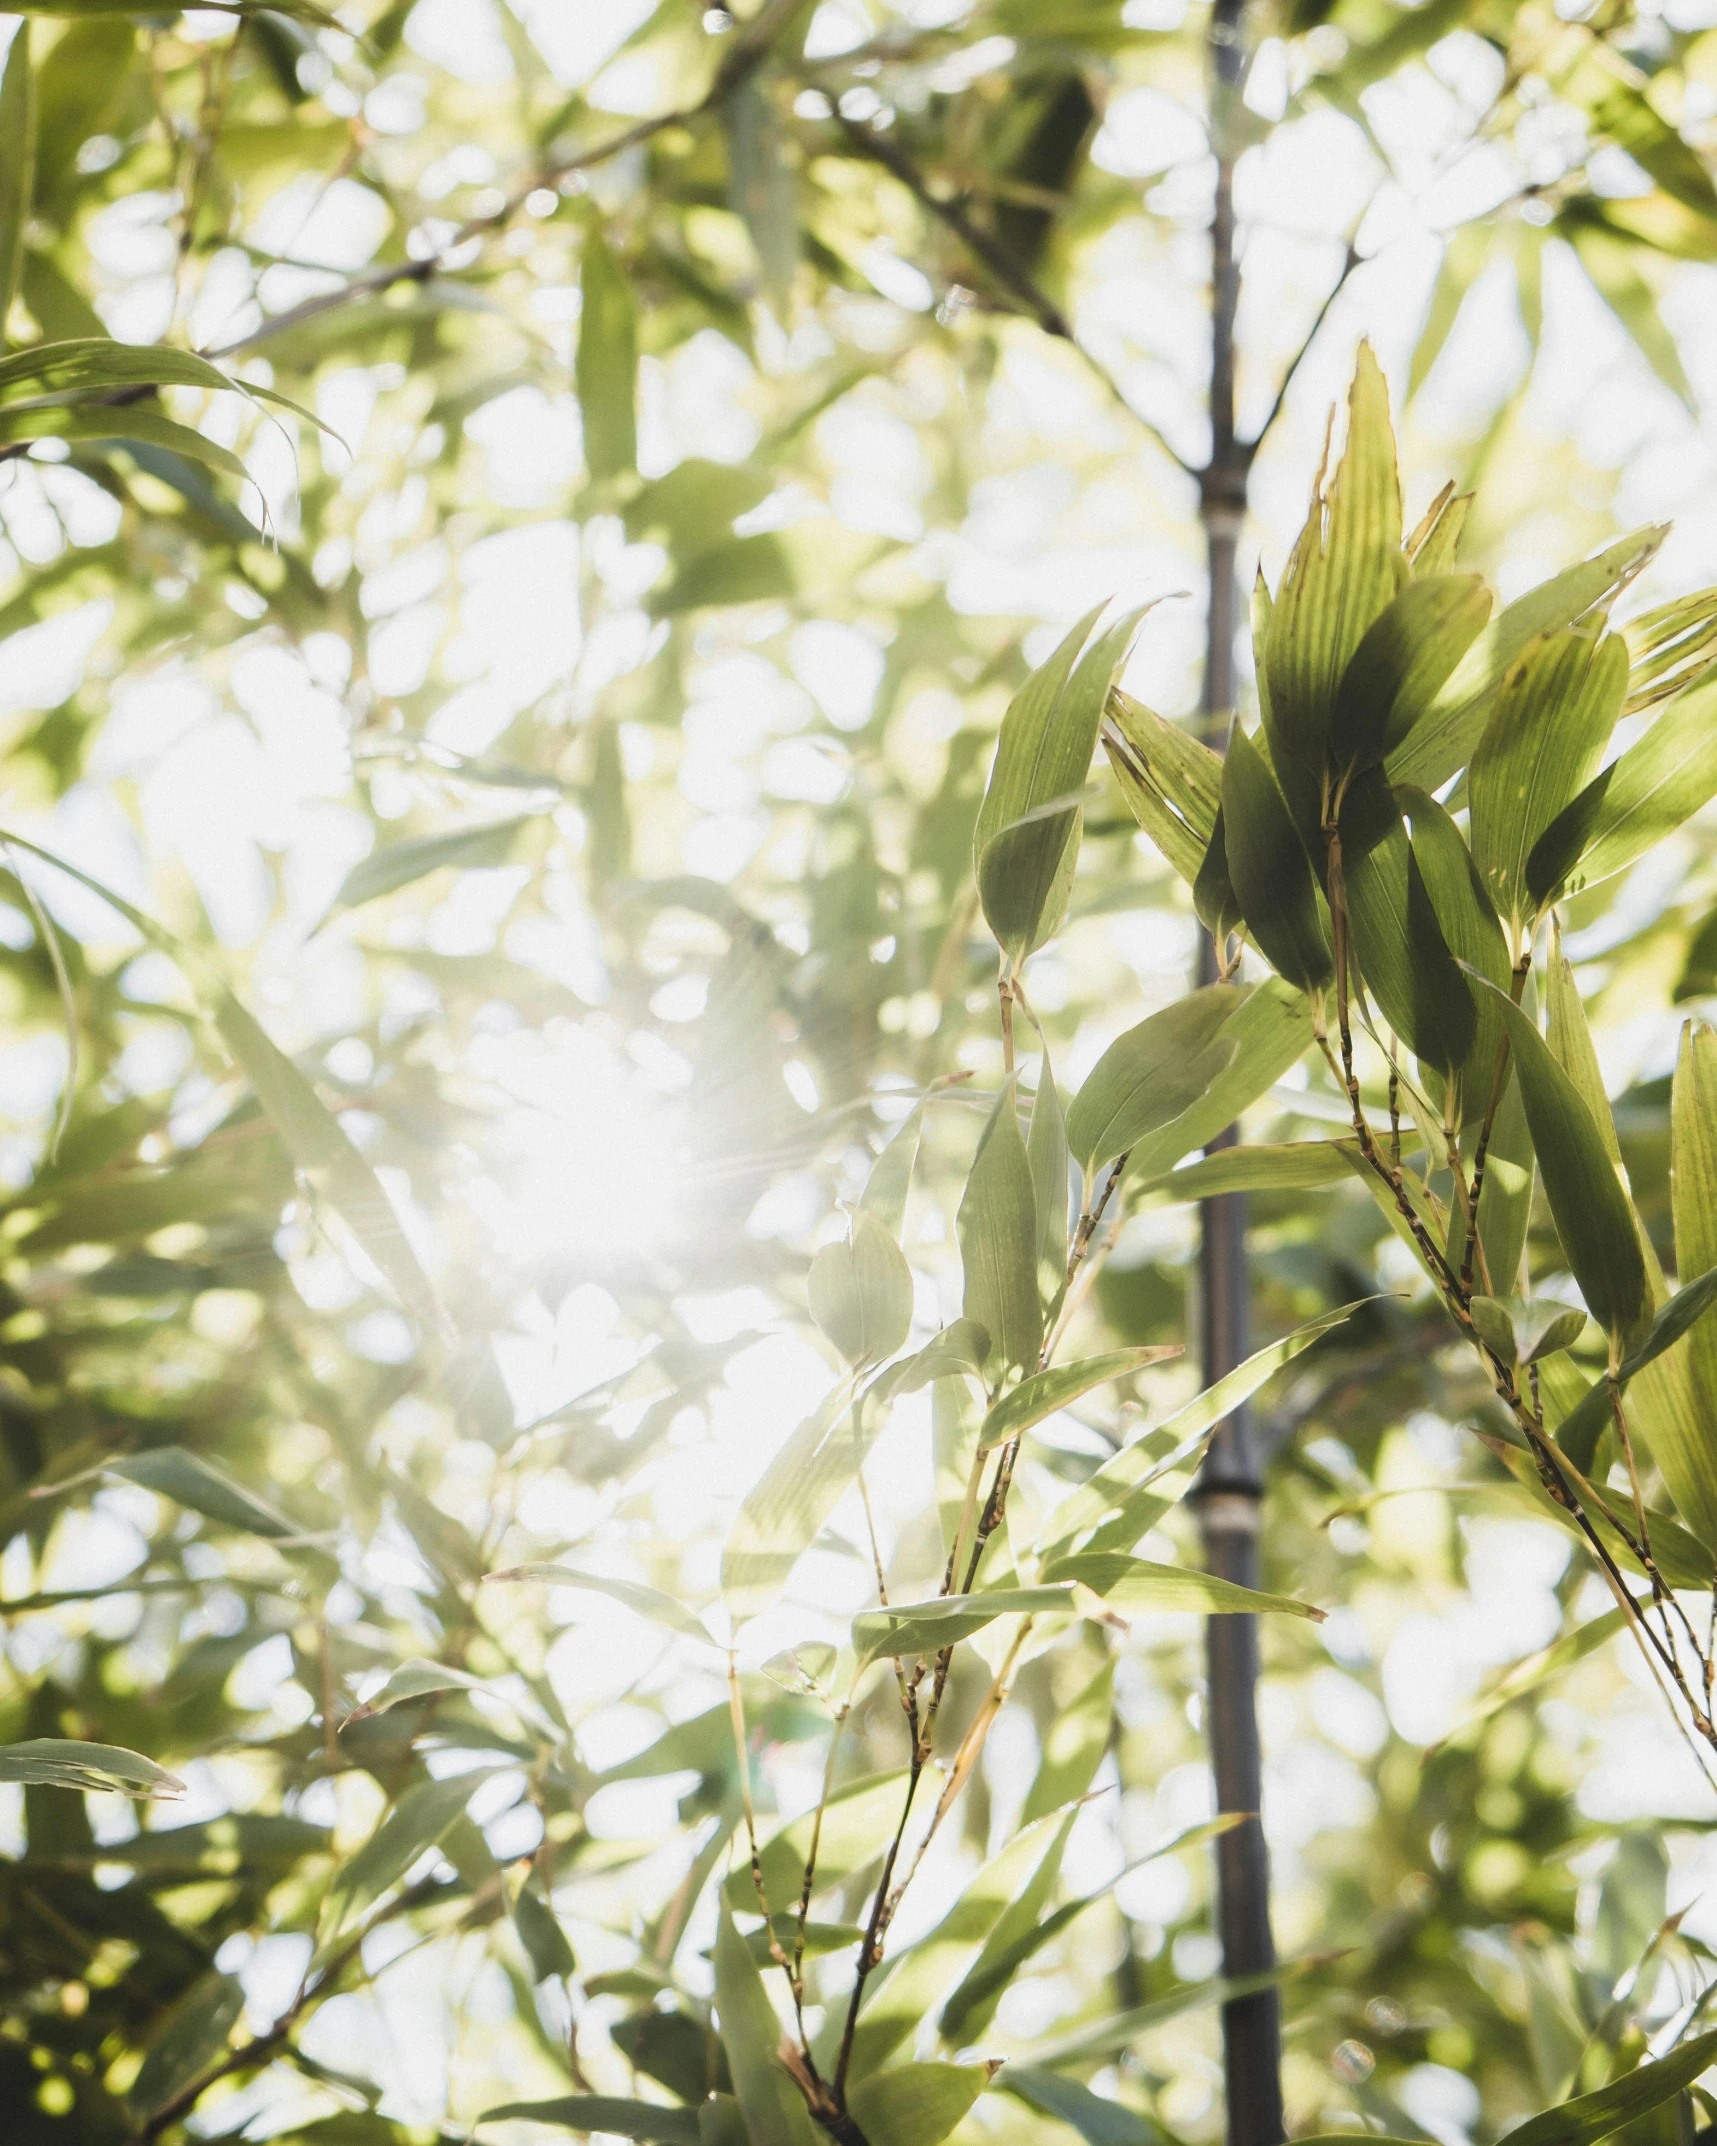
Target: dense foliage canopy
(557,1326)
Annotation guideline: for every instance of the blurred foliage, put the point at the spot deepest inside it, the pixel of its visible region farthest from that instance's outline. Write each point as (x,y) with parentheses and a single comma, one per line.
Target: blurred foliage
(562,722)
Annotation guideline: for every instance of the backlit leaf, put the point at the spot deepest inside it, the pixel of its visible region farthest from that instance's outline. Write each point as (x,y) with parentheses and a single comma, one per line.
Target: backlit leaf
(915,2104)
(17,164)
(1136,1583)
(1045,1391)
(606,368)
(58,1762)
(925,1628)
(860,1291)
(775,2115)
(1594,2116)
(784,1511)
(1407,655)
(400,864)
(1270,872)
(997,1227)
(652,2120)
(1152,1075)
(646,1601)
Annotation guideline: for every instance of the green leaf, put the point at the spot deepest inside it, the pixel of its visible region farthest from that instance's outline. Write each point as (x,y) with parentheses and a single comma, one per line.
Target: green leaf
(421,1679)
(1406,657)
(57,1762)
(1553,717)
(414,1825)
(196,2033)
(784,1511)
(1613,263)
(1522,1330)
(775,2114)
(1593,1216)
(915,2104)
(1046,1151)
(1398,939)
(760,188)
(1635,802)
(1098,2120)
(1153,1075)
(890,1180)
(147,426)
(604,2112)
(1135,1583)
(649,1602)
(1270,872)
(1073,1747)
(1346,568)
(1269,1029)
(1046,1391)
(1026,839)
(805,1668)
(860,1291)
(318,1142)
(1693,1201)
(1172,783)
(400,864)
(199,1486)
(1670,647)
(17,164)
(605,371)
(542,1937)
(1465,251)
(1531,1675)
(997,1229)
(1469,928)
(1433,546)
(1106,2037)
(1452,726)
(1176,1442)
(1590,2117)
(1287,1166)
(960,1350)
(1580,1429)
(1213,896)
(741,570)
(970,2009)
(925,1628)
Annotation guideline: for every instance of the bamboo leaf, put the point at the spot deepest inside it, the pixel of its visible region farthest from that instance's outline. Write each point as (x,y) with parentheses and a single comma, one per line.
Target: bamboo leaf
(410,1829)
(17,164)
(201,1487)
(1137,1584)
(1172,784)
(1106,2037)
(857,1821)
(1152,1075)
(1289,1166)
(1523,1330)
(1046,1151)
(1408,653)
(774,2113)
(916,2104)
(1269,1029)
(1026,840)
(890,1180)
(1270,872)
(1693,1202)
(972,2005)
(421,1679)
(1397,936)
(648,1602)
(1553,717)
(1590,2117)
(860,1291)
(925,1628)
(1213,896)
(1467,925)
(1465,251)
(1433,546)
(1452,726)
(784,1511)
(997,1229)
(606,368)
(1073,1747)
(1593,1216)
(1045,1391)
(1098,2120)
(147,426)
(1581,1428)
(1613,263)
(1176,1443)
(401,864)
(195,2034)
(58,1762)
(1632,804)
(604,2112)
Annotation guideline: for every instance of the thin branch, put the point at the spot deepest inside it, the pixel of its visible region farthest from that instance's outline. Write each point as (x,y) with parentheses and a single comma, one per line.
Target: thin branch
(1349,264)
(1011,273)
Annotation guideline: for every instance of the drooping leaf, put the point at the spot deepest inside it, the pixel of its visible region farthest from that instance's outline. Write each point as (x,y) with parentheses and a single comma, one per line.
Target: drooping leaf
(1468,926)
(1171,782)
(1045,1391)
(925,1628)
(201,1487)
(1632,804)
(860,1290)
(775,2113)
(1270,872)
(606,369)
(1614,265)
(401,864)
(649,1602)
(1046,1151)
(1398,940)
(1593,1216)
(1098,2120)
(60,422)
(1136,1583)
(998,1233)
(60,1762)
(915,2104)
